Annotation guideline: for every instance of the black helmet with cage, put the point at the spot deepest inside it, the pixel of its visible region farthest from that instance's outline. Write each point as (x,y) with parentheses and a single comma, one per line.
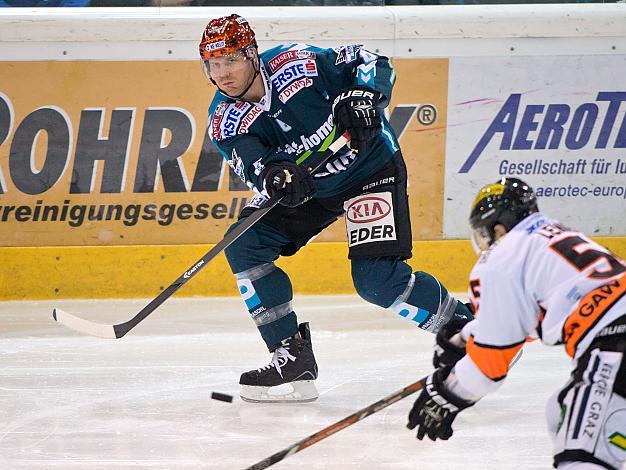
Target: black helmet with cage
(507,201)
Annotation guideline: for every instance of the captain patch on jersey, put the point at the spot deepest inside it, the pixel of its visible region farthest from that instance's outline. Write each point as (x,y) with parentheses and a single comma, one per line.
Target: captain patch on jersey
(369,218)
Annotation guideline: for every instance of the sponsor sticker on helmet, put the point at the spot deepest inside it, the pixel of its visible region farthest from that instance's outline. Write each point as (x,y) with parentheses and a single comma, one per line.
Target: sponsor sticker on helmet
(369,218)
(215,45)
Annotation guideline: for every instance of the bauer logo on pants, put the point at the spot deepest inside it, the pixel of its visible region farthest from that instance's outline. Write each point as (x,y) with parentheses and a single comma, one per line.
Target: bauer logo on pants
(369,218)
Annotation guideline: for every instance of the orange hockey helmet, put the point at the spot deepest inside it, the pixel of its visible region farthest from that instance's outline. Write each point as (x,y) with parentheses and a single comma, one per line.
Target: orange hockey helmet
(227,35)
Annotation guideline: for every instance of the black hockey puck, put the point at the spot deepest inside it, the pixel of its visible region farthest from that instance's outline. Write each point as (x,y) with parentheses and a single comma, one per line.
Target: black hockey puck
(222,397)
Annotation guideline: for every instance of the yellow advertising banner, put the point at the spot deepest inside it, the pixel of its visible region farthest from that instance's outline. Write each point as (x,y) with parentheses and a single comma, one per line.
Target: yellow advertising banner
(117,153)
(420,96)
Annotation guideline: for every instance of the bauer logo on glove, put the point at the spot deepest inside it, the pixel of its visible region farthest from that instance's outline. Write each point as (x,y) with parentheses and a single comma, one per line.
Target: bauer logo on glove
(356,111)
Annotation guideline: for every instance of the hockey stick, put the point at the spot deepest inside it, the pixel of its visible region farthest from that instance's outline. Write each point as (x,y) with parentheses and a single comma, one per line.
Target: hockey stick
(338,426)
(349,421)
(119,330)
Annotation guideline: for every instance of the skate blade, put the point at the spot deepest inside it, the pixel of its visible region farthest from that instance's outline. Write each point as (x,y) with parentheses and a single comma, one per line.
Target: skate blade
(302,391)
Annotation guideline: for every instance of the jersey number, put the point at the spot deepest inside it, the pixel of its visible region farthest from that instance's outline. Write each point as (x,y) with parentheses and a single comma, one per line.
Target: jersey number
(475,293)
(582,259)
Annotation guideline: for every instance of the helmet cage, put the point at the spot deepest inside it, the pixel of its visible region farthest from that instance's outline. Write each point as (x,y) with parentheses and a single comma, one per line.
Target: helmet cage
(505,202)
(482,238)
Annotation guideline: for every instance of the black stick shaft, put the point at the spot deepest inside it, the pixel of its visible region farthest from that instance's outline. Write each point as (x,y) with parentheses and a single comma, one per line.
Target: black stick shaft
(338,426)
(314,160)
(123,328)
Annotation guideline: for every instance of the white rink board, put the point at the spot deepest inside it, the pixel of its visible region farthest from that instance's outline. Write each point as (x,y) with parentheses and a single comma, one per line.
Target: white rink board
(489,132)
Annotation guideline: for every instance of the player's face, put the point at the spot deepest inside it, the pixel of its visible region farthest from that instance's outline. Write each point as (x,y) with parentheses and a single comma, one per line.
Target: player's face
(231,73)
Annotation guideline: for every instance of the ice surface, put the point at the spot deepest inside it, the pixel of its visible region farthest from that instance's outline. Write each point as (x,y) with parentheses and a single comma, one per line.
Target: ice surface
(68,401)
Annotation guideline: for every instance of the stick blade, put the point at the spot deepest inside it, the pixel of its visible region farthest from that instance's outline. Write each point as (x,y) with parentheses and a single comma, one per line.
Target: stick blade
(84,326)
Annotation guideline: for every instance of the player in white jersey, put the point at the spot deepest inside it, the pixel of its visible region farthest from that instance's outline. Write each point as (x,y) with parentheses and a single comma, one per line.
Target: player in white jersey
(537,278)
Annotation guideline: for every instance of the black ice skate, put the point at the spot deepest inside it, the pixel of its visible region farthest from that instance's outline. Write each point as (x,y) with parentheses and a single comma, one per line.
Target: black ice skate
(293,365)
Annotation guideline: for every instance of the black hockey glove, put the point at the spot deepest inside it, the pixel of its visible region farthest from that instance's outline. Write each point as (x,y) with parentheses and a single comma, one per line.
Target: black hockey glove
(436,408)
(449,348)
(356,110)
(291,180)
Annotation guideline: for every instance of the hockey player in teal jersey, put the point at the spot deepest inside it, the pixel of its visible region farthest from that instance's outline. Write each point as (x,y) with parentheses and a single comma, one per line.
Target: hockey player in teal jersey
(270,113)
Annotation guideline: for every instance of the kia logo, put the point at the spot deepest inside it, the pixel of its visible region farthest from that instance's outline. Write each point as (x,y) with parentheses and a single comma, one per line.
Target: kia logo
(368,209)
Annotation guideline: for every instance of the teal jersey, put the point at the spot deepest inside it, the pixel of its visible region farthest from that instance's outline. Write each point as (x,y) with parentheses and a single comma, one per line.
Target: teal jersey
(294,118)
